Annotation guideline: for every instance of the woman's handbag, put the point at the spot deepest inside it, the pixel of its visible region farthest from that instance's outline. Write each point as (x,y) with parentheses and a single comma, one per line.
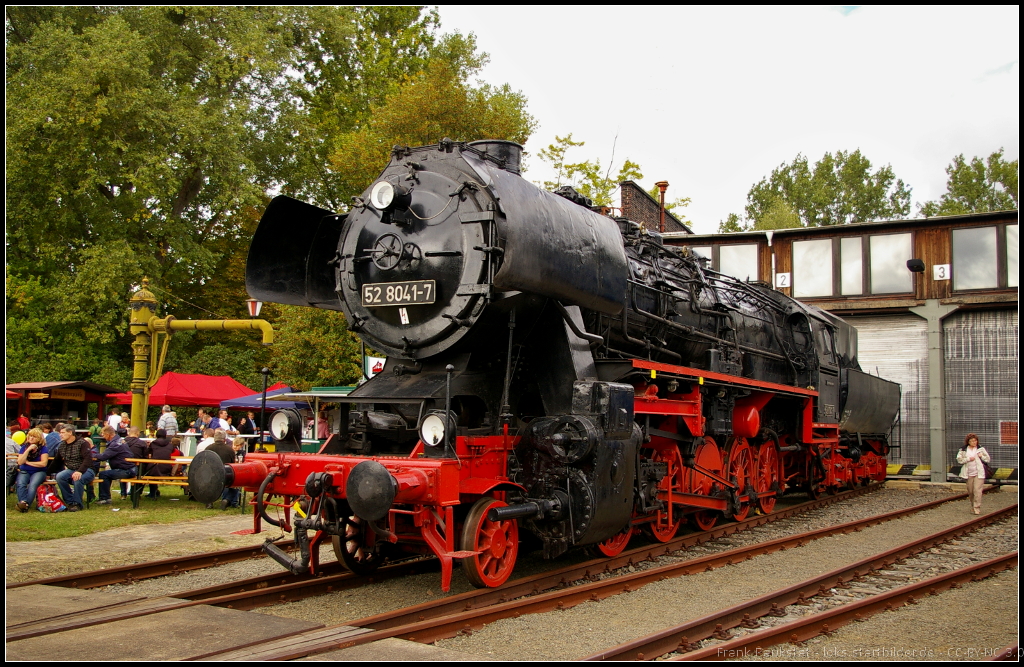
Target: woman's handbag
(989,473)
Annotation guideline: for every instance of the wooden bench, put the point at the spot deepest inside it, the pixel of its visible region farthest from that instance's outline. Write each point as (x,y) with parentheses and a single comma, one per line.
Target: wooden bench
(53,482)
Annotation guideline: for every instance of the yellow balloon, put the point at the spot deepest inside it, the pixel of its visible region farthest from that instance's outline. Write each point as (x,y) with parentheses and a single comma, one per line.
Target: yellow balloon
(19,437)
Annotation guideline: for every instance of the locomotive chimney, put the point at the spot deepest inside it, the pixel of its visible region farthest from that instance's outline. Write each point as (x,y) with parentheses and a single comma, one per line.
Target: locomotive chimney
(662,186)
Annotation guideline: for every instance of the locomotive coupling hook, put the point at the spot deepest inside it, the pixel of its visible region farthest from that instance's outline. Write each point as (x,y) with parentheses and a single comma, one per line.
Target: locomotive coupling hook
(294,565)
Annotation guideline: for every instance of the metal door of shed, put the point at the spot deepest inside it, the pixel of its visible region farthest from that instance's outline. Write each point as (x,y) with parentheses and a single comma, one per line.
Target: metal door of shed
(982,352)
(895,347)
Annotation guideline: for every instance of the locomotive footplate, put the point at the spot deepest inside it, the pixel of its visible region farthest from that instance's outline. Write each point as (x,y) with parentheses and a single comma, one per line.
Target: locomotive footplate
(621,368)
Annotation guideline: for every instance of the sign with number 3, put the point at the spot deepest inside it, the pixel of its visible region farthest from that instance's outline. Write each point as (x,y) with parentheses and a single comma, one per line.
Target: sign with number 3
(940,272)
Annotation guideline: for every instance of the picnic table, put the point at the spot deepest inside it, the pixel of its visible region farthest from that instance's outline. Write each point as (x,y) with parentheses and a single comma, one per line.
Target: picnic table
(142,477)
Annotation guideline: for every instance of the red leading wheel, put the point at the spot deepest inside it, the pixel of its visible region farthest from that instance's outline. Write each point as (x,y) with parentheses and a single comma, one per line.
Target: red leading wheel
(496,541)
(615,544)
(666,522)
(767,475)
(741,472)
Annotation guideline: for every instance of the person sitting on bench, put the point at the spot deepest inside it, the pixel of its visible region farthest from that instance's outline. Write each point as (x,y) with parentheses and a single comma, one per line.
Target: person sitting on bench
(160,449)
(115,454)
(77,456)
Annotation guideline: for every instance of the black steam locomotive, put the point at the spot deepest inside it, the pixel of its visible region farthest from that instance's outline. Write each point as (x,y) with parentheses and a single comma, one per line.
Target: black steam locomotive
(549,369)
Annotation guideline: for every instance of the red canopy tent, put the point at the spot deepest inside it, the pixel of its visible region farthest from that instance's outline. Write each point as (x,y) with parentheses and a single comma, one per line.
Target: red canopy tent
(180,389)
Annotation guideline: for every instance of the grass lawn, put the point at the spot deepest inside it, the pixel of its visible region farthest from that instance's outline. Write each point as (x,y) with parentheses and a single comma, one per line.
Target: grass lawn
(171,507)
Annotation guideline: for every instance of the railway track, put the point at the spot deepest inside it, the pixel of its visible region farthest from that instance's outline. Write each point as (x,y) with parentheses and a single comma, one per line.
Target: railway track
(826,623)
(337,578)
(878,569)
(127,574)
(470,611)
(281,587)
(451,615)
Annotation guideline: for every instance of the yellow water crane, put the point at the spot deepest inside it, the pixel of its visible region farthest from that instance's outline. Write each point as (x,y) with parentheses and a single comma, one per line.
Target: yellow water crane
(148,330)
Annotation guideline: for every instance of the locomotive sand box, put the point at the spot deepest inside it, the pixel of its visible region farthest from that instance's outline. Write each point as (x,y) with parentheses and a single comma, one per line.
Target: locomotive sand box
(555,377)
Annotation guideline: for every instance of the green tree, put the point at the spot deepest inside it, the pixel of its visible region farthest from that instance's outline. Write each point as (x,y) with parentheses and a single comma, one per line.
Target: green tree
(554,154)
(144,141)
(976,186)
(838,189)
(73,327)
(314,348)
(437,102)
(779,215)
(349,60)
(589,181)
(592,180)
(586,177)
(137,124)
(732,223)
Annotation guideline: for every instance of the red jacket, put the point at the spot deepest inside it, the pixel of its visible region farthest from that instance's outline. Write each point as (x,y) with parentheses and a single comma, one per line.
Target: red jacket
(24,423)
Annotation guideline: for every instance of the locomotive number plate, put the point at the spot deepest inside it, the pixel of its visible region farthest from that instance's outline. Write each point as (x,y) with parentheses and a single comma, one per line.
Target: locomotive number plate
(413,292)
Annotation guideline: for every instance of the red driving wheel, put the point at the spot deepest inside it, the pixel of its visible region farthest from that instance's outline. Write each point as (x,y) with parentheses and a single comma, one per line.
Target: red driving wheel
(707,457)
(767,475)
(741,472)
(615,544)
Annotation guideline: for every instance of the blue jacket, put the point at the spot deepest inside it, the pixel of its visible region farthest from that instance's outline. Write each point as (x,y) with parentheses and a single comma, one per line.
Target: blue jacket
(53,442)
(116,453)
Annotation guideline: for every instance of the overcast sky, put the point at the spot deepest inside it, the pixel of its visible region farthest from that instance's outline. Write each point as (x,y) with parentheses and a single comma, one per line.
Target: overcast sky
(712,99)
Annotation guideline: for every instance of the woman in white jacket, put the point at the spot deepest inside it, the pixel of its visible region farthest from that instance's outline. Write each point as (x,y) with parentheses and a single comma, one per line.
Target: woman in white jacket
(971,457)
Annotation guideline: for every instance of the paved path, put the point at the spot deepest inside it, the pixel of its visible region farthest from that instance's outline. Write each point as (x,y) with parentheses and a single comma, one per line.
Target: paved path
(129,544)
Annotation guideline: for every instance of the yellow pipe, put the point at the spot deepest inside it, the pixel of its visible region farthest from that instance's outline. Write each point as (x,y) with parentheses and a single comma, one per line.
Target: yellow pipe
(171,324)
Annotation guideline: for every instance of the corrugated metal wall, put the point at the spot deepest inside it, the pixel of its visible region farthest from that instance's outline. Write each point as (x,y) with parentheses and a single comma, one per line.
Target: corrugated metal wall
(896,348)
(982,360)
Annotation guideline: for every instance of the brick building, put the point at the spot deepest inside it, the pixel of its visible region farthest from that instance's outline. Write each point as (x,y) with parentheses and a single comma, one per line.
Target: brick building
(641,207)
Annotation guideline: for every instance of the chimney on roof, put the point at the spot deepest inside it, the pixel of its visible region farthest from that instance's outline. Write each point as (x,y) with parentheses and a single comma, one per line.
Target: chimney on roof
(662,186)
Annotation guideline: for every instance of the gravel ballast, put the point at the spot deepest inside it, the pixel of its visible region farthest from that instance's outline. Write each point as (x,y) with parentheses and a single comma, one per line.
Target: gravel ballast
(594,626)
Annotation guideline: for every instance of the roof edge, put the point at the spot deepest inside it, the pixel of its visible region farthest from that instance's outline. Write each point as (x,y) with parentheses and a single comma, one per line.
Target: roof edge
(935,219)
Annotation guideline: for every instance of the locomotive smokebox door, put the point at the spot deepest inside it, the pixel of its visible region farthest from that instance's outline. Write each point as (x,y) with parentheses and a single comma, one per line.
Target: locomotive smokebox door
(415,262)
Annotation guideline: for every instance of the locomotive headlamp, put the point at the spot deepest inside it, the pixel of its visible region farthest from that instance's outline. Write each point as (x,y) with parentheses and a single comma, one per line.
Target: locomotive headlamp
(286,424)
(385,196)
(432,431)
